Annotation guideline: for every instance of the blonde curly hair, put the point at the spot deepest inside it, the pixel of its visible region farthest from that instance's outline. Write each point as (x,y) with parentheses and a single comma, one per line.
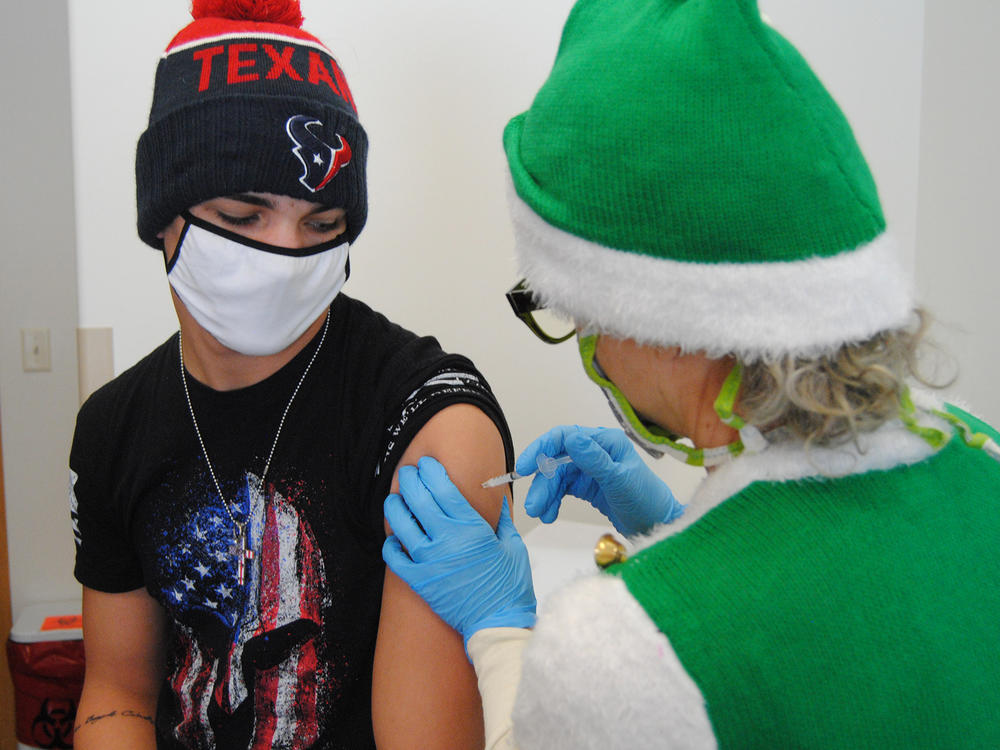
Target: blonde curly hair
(833,399)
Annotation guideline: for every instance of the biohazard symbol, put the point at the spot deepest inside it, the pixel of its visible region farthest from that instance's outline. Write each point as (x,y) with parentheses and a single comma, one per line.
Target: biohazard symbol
(53,727)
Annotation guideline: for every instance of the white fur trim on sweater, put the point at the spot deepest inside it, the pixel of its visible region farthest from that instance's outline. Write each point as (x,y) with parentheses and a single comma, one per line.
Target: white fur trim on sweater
(889,446)
(598,674)
(808,307)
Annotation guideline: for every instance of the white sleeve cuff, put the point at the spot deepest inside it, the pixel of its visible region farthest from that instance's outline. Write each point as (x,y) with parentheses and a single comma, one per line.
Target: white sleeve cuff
(496,656)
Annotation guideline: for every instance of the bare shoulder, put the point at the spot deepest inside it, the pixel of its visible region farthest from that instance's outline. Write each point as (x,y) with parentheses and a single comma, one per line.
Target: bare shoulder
(468,444)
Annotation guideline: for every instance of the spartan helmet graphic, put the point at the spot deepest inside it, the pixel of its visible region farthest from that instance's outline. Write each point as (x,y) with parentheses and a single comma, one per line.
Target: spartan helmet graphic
(274,666)
(320,160)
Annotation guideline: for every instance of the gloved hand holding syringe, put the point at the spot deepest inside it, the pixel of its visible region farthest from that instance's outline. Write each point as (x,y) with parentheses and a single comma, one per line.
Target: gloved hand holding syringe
(546,465)
(603,468)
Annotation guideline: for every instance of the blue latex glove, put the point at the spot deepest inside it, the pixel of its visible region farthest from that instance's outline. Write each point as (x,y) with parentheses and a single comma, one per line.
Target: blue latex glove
(606,471)
(471,577)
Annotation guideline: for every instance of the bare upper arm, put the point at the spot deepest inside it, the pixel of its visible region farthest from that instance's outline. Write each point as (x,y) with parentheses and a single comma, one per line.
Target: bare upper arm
(424,690)
(468,445)
(123,637)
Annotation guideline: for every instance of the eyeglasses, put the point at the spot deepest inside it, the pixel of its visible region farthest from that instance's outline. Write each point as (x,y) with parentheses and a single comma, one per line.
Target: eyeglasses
(545,324)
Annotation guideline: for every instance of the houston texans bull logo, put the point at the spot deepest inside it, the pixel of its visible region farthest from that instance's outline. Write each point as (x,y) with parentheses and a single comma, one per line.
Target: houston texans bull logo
(321,160)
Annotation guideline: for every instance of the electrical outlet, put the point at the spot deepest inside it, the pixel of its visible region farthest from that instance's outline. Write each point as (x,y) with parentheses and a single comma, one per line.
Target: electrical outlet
(36,353)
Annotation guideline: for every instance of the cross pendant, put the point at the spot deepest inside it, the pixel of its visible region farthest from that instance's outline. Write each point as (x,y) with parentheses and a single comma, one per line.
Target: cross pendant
(244,555)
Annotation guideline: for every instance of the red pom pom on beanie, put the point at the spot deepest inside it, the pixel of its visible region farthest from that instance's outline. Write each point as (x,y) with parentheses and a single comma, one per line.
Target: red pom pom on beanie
(285,12)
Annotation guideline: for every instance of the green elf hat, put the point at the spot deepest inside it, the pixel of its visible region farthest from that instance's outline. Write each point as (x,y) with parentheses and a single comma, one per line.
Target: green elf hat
(683,179)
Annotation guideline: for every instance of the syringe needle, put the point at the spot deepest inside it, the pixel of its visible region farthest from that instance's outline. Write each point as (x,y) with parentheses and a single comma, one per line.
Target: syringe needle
(546,465)
(502,479)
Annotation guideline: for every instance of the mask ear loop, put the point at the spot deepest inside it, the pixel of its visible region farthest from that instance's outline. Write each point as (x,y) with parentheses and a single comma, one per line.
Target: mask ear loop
(751,438)
(654,444)
(661,442)
(936,438)
(180,242)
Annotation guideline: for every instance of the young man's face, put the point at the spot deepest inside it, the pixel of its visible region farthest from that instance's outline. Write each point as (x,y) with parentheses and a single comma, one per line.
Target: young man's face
(265,217)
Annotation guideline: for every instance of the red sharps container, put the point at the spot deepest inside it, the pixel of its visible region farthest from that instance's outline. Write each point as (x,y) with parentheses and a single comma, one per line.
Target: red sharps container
(45,654)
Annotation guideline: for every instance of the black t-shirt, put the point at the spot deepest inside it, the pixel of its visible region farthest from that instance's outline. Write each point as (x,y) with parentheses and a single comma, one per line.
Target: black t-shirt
(286,659)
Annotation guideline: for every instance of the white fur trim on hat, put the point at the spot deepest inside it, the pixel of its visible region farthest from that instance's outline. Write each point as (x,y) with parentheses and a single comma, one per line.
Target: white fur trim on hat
(806,308)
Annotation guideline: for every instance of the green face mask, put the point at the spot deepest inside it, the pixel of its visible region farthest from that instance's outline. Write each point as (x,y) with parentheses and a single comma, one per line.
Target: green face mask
(654,439)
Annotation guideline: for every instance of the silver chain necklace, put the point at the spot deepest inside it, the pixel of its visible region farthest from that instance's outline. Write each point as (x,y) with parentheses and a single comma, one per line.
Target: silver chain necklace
(243,549)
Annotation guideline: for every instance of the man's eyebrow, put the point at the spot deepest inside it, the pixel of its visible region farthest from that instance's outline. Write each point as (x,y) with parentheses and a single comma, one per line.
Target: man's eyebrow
(256,200)
(253,200)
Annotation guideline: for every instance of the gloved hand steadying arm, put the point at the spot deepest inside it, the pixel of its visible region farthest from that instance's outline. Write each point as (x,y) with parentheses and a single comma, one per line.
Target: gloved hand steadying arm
(471,577)
(607,472)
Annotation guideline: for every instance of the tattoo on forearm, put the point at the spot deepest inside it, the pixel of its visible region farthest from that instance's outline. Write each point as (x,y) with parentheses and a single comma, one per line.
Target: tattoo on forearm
(125,714)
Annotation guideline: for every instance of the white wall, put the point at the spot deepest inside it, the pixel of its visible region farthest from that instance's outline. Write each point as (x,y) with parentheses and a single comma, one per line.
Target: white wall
(435,83)
(37,290)
(869,55)
(957,259)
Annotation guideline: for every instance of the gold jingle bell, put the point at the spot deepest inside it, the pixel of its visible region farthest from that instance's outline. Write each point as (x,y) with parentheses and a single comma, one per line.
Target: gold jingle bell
(609,551)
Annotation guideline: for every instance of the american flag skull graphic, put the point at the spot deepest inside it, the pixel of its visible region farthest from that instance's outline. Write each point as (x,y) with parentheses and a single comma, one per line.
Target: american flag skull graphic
(272,668)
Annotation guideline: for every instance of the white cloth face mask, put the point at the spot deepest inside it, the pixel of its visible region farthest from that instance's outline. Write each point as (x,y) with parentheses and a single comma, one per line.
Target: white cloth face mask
(254,298)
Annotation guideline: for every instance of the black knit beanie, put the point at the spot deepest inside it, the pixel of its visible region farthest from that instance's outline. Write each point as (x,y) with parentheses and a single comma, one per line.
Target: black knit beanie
(246,101)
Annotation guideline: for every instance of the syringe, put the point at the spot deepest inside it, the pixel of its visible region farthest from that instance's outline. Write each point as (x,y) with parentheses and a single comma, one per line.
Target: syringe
(546,465)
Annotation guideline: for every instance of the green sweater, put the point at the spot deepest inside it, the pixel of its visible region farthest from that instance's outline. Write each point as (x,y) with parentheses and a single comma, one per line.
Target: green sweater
(861,612)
